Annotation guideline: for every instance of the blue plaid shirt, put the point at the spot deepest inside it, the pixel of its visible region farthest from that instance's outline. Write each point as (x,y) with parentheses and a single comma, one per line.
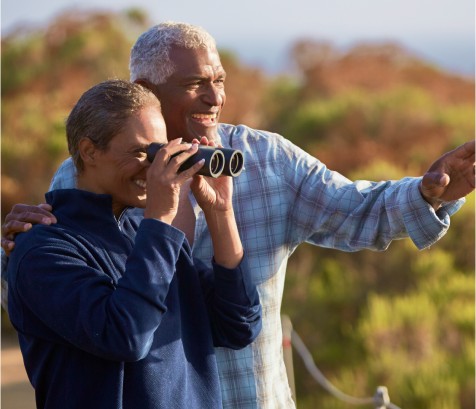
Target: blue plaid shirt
(285,197)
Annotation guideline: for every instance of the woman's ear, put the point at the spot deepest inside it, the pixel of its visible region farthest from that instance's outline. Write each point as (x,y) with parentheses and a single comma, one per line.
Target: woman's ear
(88,151)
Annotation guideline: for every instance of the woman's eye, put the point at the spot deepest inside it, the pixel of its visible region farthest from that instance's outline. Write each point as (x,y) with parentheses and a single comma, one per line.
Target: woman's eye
(141,155)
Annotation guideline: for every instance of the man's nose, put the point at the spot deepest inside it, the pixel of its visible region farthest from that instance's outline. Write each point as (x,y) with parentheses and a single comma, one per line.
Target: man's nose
(213,96)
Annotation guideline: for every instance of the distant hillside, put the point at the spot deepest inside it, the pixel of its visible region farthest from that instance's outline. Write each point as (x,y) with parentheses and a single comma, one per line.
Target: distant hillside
(342,107)
(373,102)
(376,67)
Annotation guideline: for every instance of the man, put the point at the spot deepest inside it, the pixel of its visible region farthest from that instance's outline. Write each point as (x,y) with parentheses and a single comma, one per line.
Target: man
(283,198)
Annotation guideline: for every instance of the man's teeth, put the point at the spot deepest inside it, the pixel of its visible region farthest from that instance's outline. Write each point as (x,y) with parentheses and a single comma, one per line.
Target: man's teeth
(141,183)
(204,116)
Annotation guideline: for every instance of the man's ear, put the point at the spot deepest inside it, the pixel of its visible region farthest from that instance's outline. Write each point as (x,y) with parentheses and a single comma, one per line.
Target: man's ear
(88,151)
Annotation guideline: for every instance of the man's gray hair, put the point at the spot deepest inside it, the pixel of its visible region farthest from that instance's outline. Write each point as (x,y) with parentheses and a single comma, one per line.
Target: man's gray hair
(150,54)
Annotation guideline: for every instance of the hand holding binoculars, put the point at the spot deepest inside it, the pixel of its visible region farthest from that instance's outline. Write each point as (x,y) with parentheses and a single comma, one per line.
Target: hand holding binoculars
(218,161)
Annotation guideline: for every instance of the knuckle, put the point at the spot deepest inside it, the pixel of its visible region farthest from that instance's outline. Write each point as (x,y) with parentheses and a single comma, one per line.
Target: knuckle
(16,207)
(6,226)
(175,160)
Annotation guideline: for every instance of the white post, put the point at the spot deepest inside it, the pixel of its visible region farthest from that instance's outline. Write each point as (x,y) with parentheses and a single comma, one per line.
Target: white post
(288,352)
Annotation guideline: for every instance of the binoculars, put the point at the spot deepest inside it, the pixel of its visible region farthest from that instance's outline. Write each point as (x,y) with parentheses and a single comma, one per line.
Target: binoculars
(218,161)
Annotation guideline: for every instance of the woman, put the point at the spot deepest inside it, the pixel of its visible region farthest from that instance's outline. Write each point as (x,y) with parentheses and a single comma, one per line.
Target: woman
(110,307)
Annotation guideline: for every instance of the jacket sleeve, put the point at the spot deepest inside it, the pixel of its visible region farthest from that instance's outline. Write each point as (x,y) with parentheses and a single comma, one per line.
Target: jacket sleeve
(65,289)
(233,304)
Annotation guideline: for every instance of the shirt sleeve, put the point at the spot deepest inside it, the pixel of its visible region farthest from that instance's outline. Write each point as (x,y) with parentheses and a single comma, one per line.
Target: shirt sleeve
(65,176)
(233,304)
(331,211)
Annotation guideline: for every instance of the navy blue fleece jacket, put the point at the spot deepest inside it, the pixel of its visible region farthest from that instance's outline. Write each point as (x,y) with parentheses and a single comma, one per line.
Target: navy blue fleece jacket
(116,313)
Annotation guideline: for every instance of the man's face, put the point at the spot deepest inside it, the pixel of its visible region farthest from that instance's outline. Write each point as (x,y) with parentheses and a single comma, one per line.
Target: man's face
(194,95)
(121,169)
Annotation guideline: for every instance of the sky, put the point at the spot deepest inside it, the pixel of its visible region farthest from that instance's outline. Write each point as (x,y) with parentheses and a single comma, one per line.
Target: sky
(261,32)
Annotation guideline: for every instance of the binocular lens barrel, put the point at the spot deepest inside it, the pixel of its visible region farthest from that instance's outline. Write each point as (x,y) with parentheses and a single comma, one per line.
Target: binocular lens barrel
(214,162)
(218,161)
(234,161)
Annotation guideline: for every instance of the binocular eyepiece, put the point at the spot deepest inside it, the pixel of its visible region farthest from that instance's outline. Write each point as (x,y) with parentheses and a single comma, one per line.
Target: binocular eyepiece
(218,161)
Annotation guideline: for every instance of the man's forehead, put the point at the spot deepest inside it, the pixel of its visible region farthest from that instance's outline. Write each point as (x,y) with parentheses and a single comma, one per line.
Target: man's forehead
(190,61)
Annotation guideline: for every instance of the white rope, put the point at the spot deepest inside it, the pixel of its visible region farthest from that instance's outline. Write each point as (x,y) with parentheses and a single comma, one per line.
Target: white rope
(381,399)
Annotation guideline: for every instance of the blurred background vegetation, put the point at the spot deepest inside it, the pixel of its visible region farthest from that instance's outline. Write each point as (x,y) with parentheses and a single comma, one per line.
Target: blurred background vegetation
(402,318)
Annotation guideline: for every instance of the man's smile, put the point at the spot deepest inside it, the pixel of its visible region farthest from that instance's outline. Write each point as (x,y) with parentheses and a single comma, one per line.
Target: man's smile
(206,119)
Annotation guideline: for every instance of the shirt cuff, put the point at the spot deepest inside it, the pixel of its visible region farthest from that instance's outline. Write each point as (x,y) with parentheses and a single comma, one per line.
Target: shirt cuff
(424,225)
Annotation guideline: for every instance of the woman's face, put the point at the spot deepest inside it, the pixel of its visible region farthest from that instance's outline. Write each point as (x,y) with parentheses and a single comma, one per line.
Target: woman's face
(120,170)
